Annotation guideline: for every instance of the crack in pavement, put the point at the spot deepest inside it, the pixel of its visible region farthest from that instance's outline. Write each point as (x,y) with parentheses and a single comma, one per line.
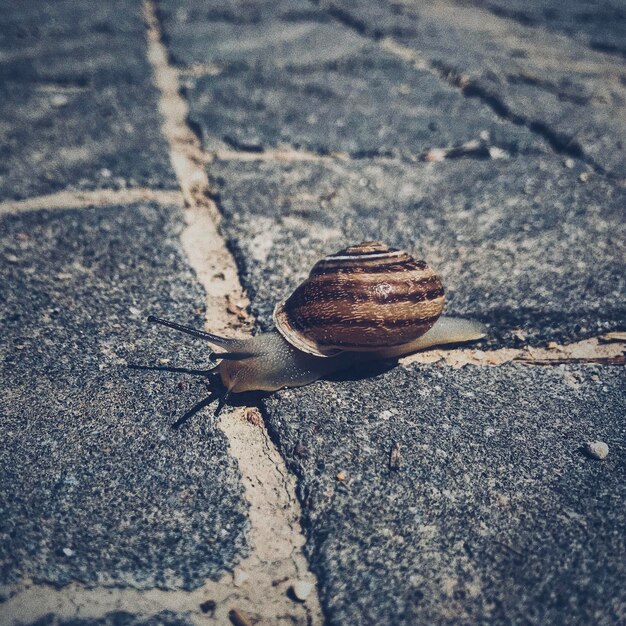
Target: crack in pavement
(560,143)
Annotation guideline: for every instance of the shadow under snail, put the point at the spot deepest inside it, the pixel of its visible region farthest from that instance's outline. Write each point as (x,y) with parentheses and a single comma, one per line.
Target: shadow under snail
(365,303)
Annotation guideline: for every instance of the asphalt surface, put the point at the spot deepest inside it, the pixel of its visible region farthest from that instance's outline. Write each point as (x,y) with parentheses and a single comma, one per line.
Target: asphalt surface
(429,495)
(556,86)
(602,27)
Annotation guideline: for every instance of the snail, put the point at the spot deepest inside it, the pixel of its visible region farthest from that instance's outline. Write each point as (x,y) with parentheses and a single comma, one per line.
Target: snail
(364,303)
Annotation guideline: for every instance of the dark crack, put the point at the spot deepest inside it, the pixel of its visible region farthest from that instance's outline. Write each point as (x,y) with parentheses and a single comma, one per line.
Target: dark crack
(559,142)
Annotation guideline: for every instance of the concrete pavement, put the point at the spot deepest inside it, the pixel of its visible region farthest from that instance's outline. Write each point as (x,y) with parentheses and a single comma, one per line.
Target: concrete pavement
(488,138)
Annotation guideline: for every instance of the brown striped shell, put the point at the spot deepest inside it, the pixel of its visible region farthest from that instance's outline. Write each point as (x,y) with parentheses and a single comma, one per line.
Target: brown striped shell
(366,297)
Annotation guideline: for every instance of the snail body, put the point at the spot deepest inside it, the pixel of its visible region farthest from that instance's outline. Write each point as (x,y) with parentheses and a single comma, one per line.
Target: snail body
(362,304)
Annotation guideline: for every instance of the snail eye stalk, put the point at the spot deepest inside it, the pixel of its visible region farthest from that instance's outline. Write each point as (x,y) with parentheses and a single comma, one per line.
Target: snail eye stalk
(194,332)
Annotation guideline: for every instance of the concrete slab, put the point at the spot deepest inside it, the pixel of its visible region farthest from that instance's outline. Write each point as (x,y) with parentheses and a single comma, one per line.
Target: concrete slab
(521,243)
(77,107)
(292,33)
(97,488)
(554,85)
(440,496)
(372,104)
(80,139)
(602,27)
(72,43)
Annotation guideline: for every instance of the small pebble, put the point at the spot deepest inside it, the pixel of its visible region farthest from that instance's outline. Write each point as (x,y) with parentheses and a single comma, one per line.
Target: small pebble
(597,450)
(395,457)
(434,155)
(341,476)
(569,163)
(253,416)
(208,607)
(239,577)
(300,450)
(497,153)
(584,177)
(59,100)
(68,552)
(302,589)
(239,618)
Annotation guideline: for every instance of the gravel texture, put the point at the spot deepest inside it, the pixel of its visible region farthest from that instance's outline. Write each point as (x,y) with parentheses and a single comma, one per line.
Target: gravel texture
(493,514)
(96,486)
(77,106)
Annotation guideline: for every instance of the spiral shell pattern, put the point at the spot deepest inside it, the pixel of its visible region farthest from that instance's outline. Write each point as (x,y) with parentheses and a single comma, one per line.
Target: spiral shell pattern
(367,297)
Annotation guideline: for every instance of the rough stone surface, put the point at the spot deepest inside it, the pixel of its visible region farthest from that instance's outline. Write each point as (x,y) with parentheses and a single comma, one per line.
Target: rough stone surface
(429,495)
(370,105)
(554,85)
(520,243)
(77,107)
(96,486)
(494,516)
(601,25)
(291,33)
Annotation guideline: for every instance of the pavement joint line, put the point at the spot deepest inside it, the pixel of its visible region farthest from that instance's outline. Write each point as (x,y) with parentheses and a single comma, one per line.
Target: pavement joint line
(29,601)
(259,584)
(87,199)
(594,351)
(285,155)
(275,534)
(470,149)
(268,484)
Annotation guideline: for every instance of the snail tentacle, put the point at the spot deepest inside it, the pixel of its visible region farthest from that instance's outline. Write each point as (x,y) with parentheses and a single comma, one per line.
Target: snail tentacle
(222,342)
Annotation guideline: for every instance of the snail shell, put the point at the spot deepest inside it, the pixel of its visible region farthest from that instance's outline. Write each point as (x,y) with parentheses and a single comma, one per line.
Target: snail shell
(366,297)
